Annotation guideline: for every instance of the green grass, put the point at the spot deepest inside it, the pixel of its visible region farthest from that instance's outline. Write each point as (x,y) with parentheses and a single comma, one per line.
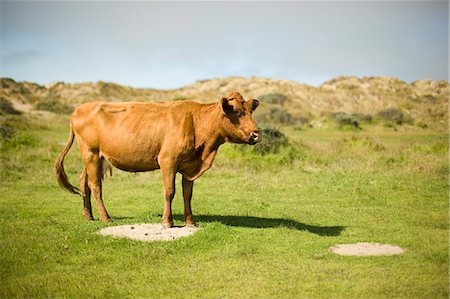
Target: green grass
(267,222)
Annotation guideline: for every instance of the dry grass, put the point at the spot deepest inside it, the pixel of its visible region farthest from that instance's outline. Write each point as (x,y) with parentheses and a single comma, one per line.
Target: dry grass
(423,102)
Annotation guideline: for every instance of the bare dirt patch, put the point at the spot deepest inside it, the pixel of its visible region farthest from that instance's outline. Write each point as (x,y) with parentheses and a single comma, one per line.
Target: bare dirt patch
(147,232)
(366,249)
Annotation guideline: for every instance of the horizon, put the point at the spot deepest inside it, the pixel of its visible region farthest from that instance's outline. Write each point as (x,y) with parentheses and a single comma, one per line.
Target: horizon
(216,78)
(167,45)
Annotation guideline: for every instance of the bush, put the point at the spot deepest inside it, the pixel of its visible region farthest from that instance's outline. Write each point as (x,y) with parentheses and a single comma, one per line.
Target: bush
(272,140)
(344,120)
(303,120)
(274,98)
(422,125)
(282,116)
(394,115)
(6,107)
(53,105)
(276,116)
(6,132)
(180,99)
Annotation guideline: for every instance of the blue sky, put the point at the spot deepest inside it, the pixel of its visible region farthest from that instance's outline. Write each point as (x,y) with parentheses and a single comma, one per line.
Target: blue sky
(171,44)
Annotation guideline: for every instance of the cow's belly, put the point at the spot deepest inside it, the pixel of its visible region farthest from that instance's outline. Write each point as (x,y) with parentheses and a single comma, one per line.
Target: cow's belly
(131,158)
(140,153)
(133,165)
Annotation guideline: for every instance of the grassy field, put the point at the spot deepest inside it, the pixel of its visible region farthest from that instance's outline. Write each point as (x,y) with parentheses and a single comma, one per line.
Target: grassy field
(266,222)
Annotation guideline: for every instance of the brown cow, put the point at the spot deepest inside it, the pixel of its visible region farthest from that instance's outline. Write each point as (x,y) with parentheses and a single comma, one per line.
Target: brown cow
(181,136)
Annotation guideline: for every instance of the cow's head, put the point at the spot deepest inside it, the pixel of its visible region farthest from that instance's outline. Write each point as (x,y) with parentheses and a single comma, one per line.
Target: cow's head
(239,125)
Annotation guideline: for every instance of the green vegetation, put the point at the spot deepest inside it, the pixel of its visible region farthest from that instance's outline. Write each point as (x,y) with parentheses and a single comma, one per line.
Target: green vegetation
(274,98)
(344,120)
(394,115)
(53,105)
(267,220)
(6,107)
(273,141)
(277,115)
(180,99)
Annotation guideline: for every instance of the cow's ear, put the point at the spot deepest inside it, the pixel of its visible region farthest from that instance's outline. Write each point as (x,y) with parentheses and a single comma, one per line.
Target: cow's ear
(253,104)
(226,106)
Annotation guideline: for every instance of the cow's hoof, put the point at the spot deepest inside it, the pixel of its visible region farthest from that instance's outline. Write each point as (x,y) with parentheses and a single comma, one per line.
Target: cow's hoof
(191,225)
(105,219)
(167,224)
(88,217)
(87,214)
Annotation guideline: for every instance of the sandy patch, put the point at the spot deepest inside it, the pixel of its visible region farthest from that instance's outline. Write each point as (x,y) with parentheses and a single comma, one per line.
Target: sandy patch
(147,232)
(366,249)
(24,107)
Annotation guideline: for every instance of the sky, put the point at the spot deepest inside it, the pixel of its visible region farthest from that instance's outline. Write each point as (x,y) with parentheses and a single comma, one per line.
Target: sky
(171,44)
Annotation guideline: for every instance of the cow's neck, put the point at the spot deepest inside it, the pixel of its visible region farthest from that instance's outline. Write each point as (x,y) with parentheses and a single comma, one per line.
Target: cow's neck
(207,128)
(208,137)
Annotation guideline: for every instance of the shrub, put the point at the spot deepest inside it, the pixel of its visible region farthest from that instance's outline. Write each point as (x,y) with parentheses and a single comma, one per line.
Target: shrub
(344,120)
(276,116)
(53,105)
(272,140)
(281,116)
(422,125)
(394,115)
(180,99)
(6,132)
(303,120)
(6,107)
(274,98)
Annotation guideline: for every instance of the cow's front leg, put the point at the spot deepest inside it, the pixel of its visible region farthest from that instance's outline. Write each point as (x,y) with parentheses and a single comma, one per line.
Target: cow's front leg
(187,196)
(168,174)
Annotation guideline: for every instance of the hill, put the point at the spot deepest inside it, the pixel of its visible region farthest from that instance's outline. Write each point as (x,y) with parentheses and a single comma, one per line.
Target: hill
(423,101)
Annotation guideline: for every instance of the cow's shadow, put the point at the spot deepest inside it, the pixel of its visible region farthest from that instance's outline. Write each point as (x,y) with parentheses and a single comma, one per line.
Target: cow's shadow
(259,222)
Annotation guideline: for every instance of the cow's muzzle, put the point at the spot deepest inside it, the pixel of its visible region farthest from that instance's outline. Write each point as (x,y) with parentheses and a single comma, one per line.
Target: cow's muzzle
(254,138)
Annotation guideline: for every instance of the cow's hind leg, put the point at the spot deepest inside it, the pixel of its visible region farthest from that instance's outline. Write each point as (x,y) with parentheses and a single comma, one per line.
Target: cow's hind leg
(86,193)
(187,196)
(93,165)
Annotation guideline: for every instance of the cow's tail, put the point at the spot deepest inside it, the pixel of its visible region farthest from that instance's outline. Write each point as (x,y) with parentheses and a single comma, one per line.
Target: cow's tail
(61,175)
